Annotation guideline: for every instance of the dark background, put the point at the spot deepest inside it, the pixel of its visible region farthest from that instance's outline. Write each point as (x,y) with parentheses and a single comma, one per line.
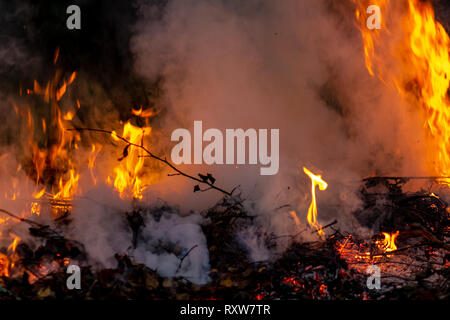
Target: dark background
(31,30)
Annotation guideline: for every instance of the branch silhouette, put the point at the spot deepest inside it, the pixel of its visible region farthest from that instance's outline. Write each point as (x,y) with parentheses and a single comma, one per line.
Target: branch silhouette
(153,156)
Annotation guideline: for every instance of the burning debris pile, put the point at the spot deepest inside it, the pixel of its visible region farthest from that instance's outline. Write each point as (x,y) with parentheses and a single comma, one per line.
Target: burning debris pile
(413,260)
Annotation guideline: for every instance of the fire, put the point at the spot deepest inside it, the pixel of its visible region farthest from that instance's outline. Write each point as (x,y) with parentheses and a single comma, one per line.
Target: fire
(127,173)
(316,180)
(417,65)
(4,265)
(12,247)
(388,243)
(294,216)
(143,113)
(362,252)
(49,143)
(67,189)
(95,150)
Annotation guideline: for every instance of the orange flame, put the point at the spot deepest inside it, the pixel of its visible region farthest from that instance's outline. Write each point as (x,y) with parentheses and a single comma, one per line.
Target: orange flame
(388,243)
(143,113)
(12,247)
(316,180)
(4,265)
(50,149)
(127,179)
(416,63)
(95,150)
(67,189)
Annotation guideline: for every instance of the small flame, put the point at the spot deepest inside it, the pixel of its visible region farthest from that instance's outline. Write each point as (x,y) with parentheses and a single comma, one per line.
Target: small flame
(39,194)
(143,113)
(316,180)
(388,243)
(12,247)
(68,188)
(4,265)
(95,150)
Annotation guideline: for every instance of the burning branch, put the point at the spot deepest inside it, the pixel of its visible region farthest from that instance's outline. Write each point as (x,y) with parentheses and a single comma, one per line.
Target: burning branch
(207,180)
(12,215)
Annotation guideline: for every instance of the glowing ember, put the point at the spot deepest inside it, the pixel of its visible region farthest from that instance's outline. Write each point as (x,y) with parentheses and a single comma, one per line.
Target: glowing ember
(316,180)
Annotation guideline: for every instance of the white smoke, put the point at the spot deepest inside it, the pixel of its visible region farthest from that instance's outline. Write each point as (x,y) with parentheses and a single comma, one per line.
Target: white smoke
(293,65)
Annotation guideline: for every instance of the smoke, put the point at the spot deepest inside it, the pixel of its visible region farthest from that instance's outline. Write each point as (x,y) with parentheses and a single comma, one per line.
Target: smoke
(293,65)
(168,243)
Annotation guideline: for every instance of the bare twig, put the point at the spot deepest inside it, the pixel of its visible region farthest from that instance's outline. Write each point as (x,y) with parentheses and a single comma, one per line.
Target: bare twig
(328,225)
(183,257)
(12,215)
(151,155)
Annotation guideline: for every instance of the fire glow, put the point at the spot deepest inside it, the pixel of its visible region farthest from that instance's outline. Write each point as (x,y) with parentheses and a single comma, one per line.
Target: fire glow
(421,75)
(60,172)
(316,180)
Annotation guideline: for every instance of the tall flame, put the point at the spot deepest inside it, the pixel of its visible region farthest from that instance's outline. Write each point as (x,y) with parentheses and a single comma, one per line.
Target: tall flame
(417,64)
(316,180)
(127,179)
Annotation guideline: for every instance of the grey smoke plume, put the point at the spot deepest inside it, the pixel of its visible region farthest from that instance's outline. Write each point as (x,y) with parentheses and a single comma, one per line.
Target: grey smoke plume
(293,65)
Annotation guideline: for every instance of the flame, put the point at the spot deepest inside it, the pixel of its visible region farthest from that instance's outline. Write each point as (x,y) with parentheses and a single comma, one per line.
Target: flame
(35,208)
(316,180)
(417,65)
(95,150)
(39,194)
(50,148)
(388,243)
(4,265)
(143,113)
(68,188)
(294,215)
(127,172)
(12,247)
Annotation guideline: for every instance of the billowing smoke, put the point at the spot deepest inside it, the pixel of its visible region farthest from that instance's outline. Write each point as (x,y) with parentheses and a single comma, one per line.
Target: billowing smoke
(292,65)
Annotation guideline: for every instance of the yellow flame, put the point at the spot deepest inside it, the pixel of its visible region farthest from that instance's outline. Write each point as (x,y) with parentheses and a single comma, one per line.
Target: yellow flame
(12,247)
(67,189)
(35,208)
(143,113)
(417,64)
(39,194)
(388,243)
(127,180)
(316,180)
